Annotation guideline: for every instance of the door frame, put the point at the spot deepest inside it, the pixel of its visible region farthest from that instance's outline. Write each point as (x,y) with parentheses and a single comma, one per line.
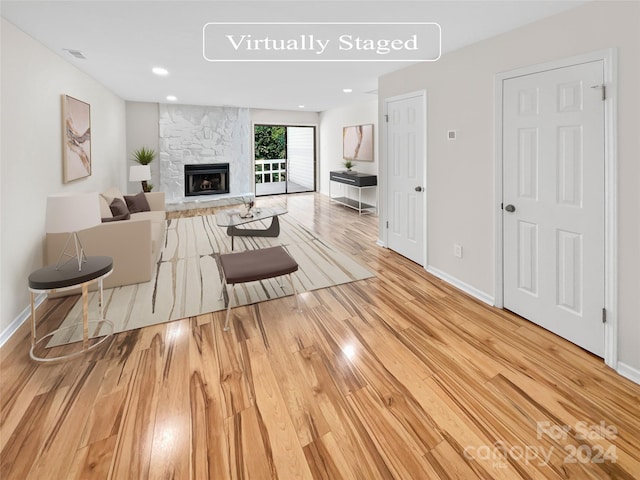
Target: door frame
(384,167)
(610,61)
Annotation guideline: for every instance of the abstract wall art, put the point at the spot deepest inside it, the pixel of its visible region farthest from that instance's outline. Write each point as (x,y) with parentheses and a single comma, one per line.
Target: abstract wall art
(357,143)
(76,139)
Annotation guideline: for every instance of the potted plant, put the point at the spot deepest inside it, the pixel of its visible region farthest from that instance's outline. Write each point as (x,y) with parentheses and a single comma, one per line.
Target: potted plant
(348,164)
(144,156)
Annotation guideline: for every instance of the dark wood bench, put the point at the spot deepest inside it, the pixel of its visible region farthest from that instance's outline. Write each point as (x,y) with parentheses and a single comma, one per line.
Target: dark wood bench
(255,265)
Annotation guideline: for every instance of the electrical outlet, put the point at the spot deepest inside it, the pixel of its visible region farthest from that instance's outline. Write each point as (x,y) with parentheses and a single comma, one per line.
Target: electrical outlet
(457,250)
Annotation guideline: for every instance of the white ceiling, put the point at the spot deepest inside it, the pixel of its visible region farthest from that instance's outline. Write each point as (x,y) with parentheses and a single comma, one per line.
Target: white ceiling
(123,40)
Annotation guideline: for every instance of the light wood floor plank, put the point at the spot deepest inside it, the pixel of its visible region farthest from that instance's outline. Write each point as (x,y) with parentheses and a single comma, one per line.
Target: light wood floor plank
(307,419)
(324,463)
(209,439)
(55,456)
(446,463)
(285,447)
(392,438)
(172,429)
(249,447)
(348,431)
(136,434)
(93,460)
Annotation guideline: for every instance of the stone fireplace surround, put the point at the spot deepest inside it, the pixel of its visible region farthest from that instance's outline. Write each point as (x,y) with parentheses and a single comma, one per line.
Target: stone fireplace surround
(192,134)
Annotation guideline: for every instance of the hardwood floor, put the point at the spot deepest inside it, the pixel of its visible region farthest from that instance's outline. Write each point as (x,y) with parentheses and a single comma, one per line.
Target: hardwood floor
(397,377)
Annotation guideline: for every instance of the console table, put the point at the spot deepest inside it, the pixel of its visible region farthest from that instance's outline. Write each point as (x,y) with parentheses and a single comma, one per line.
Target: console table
(50,278)
(359,181)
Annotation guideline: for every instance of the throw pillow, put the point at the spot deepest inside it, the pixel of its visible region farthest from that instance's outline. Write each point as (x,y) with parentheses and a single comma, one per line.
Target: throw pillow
(137,203)
(119,209)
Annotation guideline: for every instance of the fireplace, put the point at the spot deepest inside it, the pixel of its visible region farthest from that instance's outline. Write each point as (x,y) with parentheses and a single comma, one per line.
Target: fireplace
(206,179)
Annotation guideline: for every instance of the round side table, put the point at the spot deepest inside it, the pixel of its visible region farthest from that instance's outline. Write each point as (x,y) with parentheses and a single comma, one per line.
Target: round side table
(50,279)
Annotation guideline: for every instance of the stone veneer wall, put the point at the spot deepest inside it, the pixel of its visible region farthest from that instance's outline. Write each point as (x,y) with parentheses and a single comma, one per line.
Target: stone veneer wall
(191,134)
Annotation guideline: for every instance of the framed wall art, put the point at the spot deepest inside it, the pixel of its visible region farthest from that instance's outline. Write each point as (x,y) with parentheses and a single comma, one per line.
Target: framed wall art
(76,139)
(357,143)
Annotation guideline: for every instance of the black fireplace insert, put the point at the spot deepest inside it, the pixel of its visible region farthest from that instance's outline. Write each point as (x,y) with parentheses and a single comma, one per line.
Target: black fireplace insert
(206,179)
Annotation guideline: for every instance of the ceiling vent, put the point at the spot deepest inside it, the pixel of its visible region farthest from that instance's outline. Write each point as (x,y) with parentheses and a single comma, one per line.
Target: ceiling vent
(76,53)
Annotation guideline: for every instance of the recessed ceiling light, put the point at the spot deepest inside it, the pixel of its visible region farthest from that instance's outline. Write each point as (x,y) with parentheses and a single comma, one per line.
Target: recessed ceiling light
(347,90)
(160,71)
(172,98)
(300,106)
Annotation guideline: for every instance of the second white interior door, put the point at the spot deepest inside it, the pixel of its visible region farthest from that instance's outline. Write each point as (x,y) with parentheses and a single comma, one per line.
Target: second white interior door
(406,167)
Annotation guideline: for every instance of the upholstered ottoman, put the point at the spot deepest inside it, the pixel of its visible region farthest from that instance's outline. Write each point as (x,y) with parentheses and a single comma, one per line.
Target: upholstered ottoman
(255,265)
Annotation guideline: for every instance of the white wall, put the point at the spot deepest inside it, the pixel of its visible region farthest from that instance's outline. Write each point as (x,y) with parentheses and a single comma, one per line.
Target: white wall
(460,183)
(33,80)
(331,123)
(283,117)
(142,130)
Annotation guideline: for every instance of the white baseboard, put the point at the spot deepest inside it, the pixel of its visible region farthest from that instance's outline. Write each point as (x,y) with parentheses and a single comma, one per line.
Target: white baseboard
(20,319)
(380,243)
(627,371)
(474,292)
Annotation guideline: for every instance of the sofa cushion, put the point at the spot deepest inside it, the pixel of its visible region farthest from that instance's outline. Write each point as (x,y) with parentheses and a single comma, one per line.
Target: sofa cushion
(111,193)
(117,218)
(158,228)
(155,216)
(119,209)
(105,211)
(137,203)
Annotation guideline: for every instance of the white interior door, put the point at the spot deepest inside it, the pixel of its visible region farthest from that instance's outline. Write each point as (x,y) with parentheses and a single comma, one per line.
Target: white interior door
(553,194)
(406,196)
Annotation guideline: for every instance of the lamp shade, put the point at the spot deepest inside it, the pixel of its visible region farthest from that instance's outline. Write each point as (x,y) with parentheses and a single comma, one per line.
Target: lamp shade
(72,212)
(138,173)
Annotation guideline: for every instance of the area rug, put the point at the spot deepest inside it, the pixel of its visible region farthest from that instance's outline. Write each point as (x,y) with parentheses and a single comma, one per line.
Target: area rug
(187,280)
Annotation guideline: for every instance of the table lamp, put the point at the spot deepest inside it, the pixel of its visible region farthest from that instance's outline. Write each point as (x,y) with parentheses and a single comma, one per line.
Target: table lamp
(140,173)
(71,213)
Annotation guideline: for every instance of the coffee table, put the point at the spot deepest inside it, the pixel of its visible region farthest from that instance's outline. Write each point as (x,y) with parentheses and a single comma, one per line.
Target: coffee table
(232,219)
(50,278)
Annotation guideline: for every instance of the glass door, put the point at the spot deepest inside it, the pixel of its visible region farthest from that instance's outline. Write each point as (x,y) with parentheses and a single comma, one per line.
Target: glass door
(284,159)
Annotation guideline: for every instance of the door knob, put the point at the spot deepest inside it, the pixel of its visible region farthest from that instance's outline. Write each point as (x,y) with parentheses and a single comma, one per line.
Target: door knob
(418,189)
(510,208)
